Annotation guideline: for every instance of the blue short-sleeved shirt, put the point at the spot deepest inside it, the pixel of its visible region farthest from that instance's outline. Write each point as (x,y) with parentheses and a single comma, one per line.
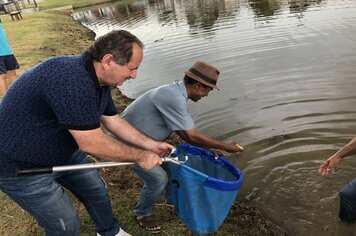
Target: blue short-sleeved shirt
(5,49)
(58,94)
(160,111)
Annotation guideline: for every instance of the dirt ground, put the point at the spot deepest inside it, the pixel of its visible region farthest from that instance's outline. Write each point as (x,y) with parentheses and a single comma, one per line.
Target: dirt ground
(243,218)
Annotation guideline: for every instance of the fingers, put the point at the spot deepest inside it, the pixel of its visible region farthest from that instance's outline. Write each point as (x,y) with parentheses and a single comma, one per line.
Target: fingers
(163,153)
(234,147)
(160,161)
(162,149)
(323,167)
(149,160)
(155,161)
(326,168)
(217,153)
(168,152)
(326,171)
(323,171)
(241,148)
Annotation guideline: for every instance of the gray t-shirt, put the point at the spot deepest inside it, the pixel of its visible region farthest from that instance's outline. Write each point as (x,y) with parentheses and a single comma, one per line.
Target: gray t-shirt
(160,111)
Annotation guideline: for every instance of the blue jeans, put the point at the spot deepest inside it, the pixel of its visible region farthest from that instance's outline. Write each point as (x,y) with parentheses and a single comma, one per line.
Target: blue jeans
(43,197)
(155,181)
(347,194)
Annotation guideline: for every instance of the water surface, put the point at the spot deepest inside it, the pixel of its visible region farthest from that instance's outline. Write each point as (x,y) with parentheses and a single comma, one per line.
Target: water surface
(287,90)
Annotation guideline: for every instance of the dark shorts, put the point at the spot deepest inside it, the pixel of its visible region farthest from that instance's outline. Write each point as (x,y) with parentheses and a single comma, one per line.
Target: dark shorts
(8,63)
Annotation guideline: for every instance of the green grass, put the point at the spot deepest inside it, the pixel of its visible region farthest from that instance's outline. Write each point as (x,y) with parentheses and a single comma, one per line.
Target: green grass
(53,4)
(43,34)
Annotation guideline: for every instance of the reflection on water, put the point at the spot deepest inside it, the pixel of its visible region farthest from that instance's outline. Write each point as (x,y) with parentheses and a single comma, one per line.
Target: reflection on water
(286,89)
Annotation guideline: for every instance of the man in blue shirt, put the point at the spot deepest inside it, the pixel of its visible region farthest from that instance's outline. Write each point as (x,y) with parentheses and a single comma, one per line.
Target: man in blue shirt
(158,113)
(51,116)
(8,62)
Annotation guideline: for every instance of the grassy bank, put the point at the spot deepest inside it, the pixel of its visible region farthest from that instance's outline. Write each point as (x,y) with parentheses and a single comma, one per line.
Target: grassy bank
(47,33)
(54,4)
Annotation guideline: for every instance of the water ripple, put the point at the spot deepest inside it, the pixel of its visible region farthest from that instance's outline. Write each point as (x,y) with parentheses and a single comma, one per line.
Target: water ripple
(286,89)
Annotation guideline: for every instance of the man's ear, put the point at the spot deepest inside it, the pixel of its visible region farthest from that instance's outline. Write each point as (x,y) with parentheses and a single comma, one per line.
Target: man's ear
(106,60)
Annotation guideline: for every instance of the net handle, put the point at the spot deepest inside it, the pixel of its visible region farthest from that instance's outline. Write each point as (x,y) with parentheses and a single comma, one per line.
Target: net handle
(47,170)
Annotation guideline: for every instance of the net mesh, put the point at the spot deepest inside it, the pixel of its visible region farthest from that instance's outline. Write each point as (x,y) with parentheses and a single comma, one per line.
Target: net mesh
(203,189)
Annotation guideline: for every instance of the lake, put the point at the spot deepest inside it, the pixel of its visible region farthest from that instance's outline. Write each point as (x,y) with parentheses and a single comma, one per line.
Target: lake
(287,90)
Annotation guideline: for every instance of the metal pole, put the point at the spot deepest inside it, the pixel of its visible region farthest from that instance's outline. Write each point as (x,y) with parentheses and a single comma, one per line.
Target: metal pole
(94,165)
(43,170)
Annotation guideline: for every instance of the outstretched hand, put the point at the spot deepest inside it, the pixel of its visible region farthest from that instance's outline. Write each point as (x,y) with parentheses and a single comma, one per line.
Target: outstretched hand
(234,147)
(329,165)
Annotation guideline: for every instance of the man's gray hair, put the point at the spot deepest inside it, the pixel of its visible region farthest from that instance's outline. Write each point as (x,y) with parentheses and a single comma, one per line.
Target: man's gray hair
(117,43)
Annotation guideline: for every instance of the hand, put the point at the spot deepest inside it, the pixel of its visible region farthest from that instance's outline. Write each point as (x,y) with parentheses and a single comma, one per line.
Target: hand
(217,153)
(329,165)
(234,147)
(149,160)
(162,149)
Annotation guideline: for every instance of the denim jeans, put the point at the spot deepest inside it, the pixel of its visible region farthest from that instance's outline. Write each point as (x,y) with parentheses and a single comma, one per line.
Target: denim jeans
(43,197)
(155,181)
(347,194)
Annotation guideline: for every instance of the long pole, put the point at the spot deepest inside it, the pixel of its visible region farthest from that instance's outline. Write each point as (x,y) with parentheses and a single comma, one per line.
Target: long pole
(94,165)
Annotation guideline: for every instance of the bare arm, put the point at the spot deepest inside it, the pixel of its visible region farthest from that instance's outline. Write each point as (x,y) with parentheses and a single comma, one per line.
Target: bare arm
(330,163)
(193,136)
(130,134)
(99,144)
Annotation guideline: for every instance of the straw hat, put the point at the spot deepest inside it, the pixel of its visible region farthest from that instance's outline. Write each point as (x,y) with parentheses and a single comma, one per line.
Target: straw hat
(204,73)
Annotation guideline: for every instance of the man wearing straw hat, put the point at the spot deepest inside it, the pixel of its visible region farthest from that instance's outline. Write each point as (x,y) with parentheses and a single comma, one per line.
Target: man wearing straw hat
(158,113)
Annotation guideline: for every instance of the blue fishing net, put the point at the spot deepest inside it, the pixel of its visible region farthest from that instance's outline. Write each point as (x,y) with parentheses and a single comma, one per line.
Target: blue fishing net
(203,189)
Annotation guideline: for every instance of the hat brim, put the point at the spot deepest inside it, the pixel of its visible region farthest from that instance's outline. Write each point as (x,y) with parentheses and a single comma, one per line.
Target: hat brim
(197,78)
